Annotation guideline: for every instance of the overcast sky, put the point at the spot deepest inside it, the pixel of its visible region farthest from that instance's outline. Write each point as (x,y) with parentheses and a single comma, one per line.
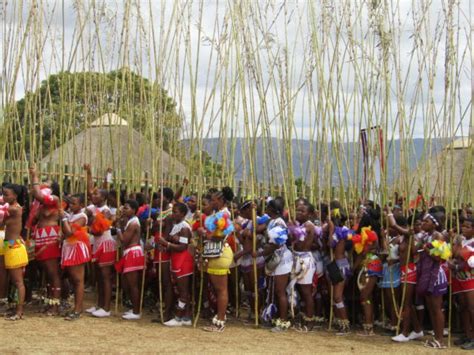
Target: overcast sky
(337,46)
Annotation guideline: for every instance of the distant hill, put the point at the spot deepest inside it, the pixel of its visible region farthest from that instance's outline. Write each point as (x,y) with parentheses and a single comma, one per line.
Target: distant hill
(301,156)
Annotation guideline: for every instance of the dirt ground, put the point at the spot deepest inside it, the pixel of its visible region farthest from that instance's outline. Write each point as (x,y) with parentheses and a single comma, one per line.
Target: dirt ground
(37,334)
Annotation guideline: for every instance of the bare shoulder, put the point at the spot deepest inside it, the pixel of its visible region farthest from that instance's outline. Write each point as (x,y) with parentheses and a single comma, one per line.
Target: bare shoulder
(15,209)
(136,226)
(186,232)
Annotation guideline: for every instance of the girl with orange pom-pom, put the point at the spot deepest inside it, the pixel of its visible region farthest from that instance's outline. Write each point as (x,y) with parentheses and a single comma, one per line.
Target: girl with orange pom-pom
(104,247)
(76,251)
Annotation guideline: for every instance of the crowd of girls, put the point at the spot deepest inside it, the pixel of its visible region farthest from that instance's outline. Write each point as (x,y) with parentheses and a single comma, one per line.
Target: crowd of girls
(363,269)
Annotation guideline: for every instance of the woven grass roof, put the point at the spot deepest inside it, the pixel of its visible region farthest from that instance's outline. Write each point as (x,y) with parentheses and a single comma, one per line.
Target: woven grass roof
(117,146)
(447,174)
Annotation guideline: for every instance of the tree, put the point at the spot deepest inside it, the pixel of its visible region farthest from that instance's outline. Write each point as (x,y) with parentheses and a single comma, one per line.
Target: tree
(301,186)
(209,167)
(66,102)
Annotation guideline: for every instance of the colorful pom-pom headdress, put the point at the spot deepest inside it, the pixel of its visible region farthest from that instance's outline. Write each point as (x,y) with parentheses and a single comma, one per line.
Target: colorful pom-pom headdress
(440,248)
(278,235)
(79,235)
(144,212)
(100,224)
(219,224)
(362,241)
(263,219)
(340,233)
(298,232)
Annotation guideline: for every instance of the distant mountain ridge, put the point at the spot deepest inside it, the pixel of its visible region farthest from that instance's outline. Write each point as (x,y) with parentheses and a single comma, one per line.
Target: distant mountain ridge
(301,156)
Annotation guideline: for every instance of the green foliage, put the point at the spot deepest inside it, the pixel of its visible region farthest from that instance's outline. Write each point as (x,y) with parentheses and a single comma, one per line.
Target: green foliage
(66,102)
(301,186)
(211,168)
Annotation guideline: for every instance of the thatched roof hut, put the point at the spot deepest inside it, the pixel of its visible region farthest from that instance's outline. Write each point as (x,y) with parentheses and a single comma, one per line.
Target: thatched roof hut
(447,174)
(111,142)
